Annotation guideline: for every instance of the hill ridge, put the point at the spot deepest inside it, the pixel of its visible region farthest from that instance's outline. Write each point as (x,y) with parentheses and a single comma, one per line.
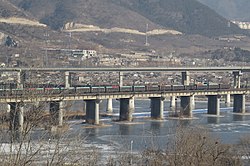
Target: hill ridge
(189,16)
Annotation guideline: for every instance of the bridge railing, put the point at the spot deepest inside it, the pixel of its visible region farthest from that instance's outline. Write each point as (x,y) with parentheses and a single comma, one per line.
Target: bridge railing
(60,91)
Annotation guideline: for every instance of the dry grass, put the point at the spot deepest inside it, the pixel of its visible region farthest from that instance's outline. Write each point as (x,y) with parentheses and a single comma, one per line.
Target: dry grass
(22,21)
(91,28)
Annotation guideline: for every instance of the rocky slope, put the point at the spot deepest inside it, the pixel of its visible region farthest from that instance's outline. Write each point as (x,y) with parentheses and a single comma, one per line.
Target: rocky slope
(189,16)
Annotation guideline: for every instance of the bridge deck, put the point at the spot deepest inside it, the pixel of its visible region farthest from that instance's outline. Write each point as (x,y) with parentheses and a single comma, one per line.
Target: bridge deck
(142,69)
(35,95)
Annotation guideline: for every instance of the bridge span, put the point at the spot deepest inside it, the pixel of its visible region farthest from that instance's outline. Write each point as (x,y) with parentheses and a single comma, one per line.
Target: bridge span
(135,69)
(126,98)
(92,97)
(185,72)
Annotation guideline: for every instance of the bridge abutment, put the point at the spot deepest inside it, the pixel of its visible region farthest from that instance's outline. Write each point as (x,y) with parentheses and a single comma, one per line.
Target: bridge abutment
(127,108)
(16,117)
(56,112)
(92,111)
(214,105)
(239,103)
(186,106)
(157,107)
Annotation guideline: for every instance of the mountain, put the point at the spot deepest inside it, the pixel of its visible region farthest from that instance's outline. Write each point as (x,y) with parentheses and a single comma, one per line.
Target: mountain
(7,9)
(16,24)
(21,33)
(13,20)
(31,27)
(189,16)
(230,9)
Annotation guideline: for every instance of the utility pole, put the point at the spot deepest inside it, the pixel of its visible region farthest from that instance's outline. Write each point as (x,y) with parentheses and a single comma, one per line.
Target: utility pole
(131,152)
(70,35)
(69,45)
(45,61)
(146,42)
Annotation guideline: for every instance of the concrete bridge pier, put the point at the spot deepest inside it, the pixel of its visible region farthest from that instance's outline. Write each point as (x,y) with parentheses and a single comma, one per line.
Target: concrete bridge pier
(172,102)
(214,105)
(92,111)
(16,117)
(21,77)
(193,102)
(228,100)
(239,103)
(67,79)
(84,107)
(127,108)
(187,102)
(8,107)
(237,75)
(56,112)
(120,78)
(186,106)
(185,78)
(157,106)
(109,105)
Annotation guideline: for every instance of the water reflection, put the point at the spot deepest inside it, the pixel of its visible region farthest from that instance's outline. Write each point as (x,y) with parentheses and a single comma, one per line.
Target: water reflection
(213,120)
(184,122)
(155,127)
(238,117)
(92,132)
(125,129)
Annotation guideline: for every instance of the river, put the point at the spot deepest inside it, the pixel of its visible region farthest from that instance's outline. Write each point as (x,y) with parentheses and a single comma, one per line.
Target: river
(144,132)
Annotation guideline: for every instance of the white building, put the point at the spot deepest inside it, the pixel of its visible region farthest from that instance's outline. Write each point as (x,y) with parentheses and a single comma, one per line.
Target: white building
(88,54)
(242,25)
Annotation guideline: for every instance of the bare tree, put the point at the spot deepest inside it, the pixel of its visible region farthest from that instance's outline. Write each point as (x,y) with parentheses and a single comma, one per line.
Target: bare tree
(189,146)
(34,144)
(244,149)
(195,146)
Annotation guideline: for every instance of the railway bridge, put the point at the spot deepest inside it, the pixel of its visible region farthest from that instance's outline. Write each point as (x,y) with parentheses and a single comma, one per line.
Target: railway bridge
(126,95)
(15,97)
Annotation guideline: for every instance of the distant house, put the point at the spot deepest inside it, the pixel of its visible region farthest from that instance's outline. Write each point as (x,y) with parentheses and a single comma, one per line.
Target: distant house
(75,52)
(242,25)
(88,54)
